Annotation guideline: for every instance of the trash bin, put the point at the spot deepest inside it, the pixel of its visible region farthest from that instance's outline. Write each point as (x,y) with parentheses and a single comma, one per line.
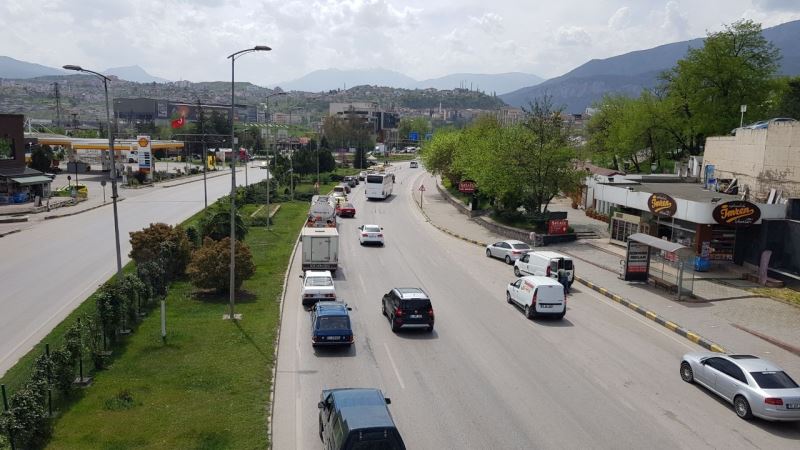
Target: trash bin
(702,264)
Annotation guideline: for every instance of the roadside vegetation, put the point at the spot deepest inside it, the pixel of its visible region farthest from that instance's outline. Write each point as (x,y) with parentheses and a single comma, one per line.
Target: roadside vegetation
(786,295)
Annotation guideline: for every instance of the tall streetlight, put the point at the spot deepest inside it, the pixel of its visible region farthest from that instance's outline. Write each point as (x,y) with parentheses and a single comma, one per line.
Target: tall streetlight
(291,151)
(232,57)
(113,172)
(269,119)
(205,150)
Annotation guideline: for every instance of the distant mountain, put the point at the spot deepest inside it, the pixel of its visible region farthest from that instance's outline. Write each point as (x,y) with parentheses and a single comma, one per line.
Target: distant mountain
(14,68)
(329,79)
(629,73)
(134,73)
(499,83)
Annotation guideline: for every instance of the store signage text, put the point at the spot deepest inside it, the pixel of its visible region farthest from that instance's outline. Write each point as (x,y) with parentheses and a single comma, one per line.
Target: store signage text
(662,205)
(737,212)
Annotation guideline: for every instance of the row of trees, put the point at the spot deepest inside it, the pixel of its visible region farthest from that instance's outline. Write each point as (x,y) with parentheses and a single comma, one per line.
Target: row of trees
(523,166)
(699,97)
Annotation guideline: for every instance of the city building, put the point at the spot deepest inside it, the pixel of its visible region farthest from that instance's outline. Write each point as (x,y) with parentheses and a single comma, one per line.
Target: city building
(18,183)
(162,112)
(368,112)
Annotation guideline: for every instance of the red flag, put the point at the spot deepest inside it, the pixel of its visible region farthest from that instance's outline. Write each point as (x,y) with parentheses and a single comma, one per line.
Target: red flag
(179,122)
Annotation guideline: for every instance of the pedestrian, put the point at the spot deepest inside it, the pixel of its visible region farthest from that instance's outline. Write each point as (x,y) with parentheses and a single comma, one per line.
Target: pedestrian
(563,278)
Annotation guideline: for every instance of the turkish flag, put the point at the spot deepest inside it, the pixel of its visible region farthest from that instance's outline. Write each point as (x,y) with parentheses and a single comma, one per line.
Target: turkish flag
(179,122)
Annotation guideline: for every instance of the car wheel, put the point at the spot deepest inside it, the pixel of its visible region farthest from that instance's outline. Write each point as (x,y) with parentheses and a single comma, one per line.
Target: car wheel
(430,329)
(395,326)
(320,430)
(508,260)
(516,271)
(742,408)
(383,309)
(530,313)
(686,372)
(508,298)
(488,253)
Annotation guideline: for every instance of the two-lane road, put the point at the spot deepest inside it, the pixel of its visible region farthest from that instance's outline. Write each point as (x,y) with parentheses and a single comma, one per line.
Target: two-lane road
(50,268)
(487,377)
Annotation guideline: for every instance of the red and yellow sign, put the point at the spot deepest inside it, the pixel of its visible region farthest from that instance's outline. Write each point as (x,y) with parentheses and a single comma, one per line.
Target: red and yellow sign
(662,205)
(736,213)
(143,141)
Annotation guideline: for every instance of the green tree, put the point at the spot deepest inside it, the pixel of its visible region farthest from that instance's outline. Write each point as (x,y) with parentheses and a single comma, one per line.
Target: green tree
(420,125)
(41,157)
(788,102)
(216,223)
(146,245)
(212,262)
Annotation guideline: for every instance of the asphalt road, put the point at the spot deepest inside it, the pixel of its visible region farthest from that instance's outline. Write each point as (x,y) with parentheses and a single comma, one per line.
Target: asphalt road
(487,377)
(49,269)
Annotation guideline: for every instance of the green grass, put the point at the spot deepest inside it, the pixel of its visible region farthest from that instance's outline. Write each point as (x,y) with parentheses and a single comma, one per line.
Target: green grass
(400,157)
(786,294)
(208,386)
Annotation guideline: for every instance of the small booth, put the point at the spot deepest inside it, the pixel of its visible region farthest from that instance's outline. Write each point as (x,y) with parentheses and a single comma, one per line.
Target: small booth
(659,261)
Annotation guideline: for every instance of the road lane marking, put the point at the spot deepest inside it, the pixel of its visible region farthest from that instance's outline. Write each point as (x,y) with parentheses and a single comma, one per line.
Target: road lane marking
(394,367)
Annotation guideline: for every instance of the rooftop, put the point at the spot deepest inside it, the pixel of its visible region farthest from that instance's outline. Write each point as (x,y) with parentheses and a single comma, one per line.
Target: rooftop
(687,191)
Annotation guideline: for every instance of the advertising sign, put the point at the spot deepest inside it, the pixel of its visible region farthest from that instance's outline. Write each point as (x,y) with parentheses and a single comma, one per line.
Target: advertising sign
(466,186)
(737,213)
(557,226)
(637,263)
(662,205)
(144,153)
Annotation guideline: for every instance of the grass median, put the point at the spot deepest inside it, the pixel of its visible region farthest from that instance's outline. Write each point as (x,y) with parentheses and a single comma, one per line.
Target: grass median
(208,386)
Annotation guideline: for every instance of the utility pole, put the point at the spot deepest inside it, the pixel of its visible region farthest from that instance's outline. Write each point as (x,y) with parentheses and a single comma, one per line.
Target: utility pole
(58,104)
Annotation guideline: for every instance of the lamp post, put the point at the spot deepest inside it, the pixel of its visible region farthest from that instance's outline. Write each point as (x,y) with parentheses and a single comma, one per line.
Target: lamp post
(113,172)
(205,150)
(269,119)
(291,152)
(232,57)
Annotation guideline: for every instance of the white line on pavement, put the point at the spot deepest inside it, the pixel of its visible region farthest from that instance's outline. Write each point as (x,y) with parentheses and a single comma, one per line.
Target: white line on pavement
(396,372)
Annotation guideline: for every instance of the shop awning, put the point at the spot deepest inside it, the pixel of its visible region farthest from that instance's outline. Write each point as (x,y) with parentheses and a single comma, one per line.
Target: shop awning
(670,247)
(27,181)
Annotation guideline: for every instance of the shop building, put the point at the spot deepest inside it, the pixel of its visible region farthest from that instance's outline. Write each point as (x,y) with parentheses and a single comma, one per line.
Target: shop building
(18,183)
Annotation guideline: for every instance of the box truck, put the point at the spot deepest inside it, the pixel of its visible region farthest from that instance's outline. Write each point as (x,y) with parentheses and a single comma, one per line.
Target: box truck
(320,248)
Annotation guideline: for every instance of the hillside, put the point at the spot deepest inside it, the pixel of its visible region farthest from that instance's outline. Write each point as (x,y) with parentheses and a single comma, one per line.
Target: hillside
(631,72)
(14,68)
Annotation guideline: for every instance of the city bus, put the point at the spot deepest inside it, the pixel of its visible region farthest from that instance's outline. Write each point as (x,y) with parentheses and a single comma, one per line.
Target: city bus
(379,185)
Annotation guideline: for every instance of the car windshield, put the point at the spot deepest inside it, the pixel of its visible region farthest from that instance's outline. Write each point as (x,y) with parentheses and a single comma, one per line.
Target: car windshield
(521,246)
(773,380)
(372,229)
(374,179)
(319,281)
(334,323)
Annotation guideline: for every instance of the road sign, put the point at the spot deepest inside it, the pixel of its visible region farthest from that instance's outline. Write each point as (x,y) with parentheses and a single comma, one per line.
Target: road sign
(466,186)
(422,188)
(414,136)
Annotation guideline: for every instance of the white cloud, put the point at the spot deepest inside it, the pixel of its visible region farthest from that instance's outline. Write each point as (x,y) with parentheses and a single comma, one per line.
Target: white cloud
(621,19)
(675,20)
(572,36)
(489,22)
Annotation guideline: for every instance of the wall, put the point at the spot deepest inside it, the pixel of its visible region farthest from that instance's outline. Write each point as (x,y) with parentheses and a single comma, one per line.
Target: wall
(761,159)
(12,127)
(780,236)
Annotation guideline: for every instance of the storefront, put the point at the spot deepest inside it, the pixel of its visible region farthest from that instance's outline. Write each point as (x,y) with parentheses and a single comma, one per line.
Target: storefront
(710,223)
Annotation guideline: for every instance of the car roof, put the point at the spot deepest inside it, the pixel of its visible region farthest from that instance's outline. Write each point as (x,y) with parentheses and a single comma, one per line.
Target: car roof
(549,254)
(411,293)
(348,205)
(540,281)
(361,408)
(754,364)
(371,225)
(325,308)
(514,241)
(318,273)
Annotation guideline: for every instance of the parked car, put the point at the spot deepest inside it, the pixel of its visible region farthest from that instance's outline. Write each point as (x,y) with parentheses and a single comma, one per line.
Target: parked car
(408,306)
(413,165)
(357,418)
(370,234)
(509,250)
(544,264)
(317,285)
(346,210)
(755,386)
(330,324)
(538,296)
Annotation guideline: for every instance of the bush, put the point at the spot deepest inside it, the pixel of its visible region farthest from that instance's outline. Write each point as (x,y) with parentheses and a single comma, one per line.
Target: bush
(27,417)
(193,236)
(148,245)
(336,177)
(210,266)
(216,223)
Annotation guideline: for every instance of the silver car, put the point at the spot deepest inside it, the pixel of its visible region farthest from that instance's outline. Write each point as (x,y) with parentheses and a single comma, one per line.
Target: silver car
(509,251)
(755,386)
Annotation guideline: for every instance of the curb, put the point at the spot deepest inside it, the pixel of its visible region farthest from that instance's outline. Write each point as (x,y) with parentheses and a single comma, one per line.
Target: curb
(443,229)
(195,178)
(81,211)
(277,343)
(10,232)
(672,326)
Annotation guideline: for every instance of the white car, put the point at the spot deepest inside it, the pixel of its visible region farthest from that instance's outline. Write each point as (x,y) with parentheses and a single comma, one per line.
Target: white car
(538,296)
(370,234)
(544,263)
(509,251)
(317,285)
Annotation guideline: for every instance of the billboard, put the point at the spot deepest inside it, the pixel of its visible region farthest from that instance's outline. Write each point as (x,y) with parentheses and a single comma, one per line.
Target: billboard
(145,154)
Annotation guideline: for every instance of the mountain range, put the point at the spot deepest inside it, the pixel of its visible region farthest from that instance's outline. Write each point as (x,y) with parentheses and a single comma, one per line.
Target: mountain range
(629,73)
(134,73)
(329,79)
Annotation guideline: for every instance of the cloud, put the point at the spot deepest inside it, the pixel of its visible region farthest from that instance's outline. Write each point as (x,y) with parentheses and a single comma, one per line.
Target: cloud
(572,36)
(675,21)
(621,19)
(779,5)
(489,22)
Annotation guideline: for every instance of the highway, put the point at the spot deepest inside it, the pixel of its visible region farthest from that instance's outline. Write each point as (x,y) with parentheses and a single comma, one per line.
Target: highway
(50,268)
(487,377)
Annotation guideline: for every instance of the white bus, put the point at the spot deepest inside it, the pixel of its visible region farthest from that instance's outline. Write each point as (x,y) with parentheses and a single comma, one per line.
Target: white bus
(379,185)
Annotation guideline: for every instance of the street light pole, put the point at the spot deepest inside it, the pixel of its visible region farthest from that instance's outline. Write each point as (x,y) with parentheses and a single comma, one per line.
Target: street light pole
(205,150)
(113,172)
(231,289)
(269,119)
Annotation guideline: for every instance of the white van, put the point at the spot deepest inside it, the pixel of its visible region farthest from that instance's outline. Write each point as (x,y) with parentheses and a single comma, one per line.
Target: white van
(545,264)
(538,296)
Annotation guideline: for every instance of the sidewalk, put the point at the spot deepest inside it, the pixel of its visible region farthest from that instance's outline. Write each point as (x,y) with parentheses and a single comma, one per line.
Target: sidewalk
(719,322)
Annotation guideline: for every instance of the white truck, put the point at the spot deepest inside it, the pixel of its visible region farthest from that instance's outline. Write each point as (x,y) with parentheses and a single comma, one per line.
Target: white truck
(322,212)
(320,248)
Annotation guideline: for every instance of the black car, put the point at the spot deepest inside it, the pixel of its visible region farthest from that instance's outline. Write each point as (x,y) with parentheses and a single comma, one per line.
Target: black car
(351,419)
(330,324)
(351,181)
(408,307)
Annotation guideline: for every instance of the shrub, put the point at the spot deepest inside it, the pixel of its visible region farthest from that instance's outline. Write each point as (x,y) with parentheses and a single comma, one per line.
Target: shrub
(27,417)
(210,266)
(193,236)
(63,369)
(154,278)
(336,177)
(147,245)
(216,223)
(109,303)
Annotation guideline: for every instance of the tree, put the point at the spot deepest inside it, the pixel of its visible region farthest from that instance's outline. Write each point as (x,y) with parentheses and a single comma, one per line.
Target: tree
(41,157)
(146,245)
(788,102)
(216,223)
(211,265)
(420,125)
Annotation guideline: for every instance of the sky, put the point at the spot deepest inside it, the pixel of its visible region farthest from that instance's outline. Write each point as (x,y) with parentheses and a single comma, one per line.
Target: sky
(190,39)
